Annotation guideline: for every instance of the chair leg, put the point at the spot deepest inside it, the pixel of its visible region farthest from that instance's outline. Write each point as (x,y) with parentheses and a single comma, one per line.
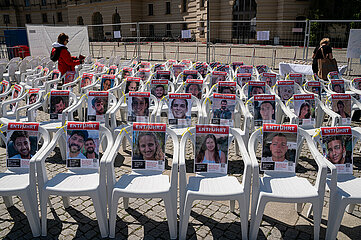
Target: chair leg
(44,213)
(100,212)
(256,222)
(8,200)
(185,218)
(125,202)
(112,215)
(66,201)
(350,208)
(334,220)
(244,217)
(317,214)
(299,207)
(171,212)
(232,205)
(32,213)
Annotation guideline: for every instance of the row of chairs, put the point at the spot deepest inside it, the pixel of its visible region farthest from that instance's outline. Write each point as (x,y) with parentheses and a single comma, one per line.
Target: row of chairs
(105,190)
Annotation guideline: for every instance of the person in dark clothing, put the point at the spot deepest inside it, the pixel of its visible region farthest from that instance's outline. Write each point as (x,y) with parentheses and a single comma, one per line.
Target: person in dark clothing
(317,53)
(61,54)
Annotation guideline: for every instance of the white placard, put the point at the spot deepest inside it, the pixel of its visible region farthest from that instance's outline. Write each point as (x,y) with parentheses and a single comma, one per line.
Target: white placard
(297,30)
(186,33)
(354,44)
(42,37)
(117,34)
(263,35)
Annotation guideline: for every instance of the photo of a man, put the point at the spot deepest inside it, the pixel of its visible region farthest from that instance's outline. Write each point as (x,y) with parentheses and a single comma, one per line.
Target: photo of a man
(255,90)
(194,89)
(106,84)
(285,92)
(267,111)
(100,105)
(159,90)
(223,112)
(131,86)
(336,150)
(21,144)
(278,148)
(338,88)
(179,108)
(76,140)
(58,104)
(90,148)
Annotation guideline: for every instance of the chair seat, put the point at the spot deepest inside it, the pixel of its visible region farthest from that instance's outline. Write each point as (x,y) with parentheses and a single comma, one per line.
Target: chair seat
(12,119)
(51,125)
(221,187)
(10,182)
(73,183)
(142,184)
(287,187)
(348,186)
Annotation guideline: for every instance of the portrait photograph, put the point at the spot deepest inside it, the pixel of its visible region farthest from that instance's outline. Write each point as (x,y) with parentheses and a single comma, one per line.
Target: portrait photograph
(180,109)
(97,106)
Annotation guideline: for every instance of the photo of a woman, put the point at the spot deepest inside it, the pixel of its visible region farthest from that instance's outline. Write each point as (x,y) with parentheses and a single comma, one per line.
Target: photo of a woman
(305,111)
(209,151)
(148,147)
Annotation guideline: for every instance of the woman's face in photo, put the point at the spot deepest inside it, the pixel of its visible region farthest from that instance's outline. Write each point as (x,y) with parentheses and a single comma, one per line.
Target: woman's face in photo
(210,144)
(139,106)
(147,147)
(179,108)
(305,110)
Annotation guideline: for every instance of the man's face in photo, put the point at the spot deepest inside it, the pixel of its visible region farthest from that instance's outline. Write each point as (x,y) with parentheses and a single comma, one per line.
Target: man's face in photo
(223,105)
(76,143)
(336,151)
(266,111)
(22,146)
(59,107)
(279,147)
(89,146)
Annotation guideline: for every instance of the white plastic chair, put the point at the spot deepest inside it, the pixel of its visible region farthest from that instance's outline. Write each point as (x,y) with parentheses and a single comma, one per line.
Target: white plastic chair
(75,182)
(211,186)
(143,184)
(344,191)
(286,187)
(22,182)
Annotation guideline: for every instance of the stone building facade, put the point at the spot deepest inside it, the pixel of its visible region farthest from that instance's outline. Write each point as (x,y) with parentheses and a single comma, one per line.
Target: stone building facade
(166,18)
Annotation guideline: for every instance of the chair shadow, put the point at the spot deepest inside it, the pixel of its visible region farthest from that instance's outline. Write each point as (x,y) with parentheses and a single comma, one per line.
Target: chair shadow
(21,225)
(84,223)
(218,230)
(152,228)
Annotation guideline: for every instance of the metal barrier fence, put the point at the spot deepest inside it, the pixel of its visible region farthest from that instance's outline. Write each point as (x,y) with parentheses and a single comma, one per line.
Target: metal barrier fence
(226,41)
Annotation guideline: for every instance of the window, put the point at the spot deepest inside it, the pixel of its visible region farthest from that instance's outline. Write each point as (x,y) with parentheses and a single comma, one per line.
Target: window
(6,19)
(28,18)
(58,2)
(43,2)
(60,17)
(27,3)
(184,26)
(168,32)
(167,7)
(201,4)
(80,21)
(151,30)
(184,5)
(201,29)
(150,9)
(45,18)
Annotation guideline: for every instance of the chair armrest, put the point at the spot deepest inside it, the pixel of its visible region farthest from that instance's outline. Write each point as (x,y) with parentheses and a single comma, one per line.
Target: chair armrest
(356,102)
(336,118)
(8,102)
(74,107)
(112,113)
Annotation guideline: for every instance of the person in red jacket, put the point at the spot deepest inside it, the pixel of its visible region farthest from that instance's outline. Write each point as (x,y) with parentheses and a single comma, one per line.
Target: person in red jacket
(61,54)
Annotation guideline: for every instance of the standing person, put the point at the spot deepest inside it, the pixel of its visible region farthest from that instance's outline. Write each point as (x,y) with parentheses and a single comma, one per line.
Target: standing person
(61,54)
(317,53)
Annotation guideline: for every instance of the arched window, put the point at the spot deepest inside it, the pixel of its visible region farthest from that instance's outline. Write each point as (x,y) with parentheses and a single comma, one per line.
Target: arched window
(116,19)
(80,21)
(98,32)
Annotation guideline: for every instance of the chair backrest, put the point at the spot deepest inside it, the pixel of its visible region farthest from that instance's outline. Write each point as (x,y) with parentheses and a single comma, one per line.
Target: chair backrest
(33,145)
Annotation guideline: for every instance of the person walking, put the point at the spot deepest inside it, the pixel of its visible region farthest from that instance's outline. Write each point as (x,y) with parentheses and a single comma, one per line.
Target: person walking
(317,53)
(60,53)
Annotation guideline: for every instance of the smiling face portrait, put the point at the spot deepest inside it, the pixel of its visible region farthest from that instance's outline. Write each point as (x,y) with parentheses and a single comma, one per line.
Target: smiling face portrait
(179,108)
(256,90)
(159,91)
(131,86)
(32,98)
(336,151)
(140,106)
(21,143)
(148,146)
(194,89)
(285,92)
(107,84)
(76,142)
(99,104)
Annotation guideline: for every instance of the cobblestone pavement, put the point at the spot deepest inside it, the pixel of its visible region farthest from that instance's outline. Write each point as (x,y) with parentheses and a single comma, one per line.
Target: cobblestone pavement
(146,218)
